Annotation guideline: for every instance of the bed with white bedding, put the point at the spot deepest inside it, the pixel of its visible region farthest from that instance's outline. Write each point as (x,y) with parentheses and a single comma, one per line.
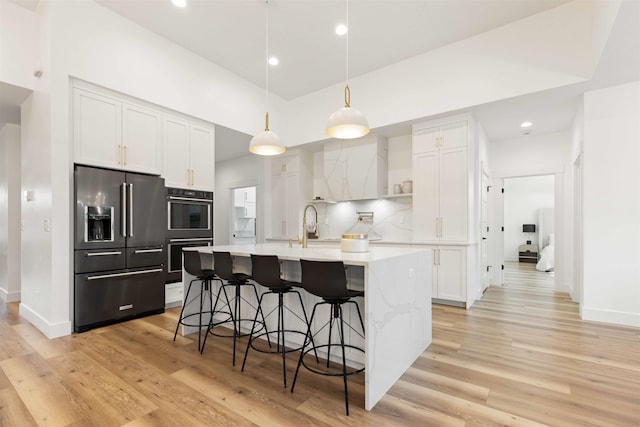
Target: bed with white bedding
(547,256)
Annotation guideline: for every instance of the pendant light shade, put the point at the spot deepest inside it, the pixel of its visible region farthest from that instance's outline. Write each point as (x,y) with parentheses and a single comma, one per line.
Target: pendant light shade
(347,122)
(266,143)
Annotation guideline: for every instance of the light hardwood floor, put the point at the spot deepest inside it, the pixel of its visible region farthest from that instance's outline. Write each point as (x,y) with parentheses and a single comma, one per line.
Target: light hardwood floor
(518,357)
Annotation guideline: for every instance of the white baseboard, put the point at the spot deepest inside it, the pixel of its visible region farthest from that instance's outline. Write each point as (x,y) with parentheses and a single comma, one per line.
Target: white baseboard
(9,296)
(50,330)
(610,316)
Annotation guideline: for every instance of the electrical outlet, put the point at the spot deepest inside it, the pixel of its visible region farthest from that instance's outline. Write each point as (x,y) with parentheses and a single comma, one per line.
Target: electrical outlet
(412,273)
(326,221)
(46,225)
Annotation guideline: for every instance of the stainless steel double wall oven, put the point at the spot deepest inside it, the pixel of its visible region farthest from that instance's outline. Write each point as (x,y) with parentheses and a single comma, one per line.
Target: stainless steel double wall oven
(189,223)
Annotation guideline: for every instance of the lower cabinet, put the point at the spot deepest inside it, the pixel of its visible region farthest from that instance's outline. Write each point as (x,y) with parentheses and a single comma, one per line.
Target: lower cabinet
(449,276)
(173,294)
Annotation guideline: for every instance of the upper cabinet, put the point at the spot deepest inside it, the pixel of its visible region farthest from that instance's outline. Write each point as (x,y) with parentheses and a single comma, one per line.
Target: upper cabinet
(115,134)
(189,154)
(450,135)
(115,131)
(356,169)
(142,138)
(244,199)
(441,191)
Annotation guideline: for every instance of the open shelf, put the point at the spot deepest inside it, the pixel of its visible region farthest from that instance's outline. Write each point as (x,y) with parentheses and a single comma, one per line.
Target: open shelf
(397,196)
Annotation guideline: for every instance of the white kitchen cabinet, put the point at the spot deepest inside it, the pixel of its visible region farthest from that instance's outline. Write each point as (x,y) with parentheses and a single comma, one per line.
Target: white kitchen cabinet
(448,135)
(141,139)
(440,184)
(97,129)
(189,154)
(243,196)
(285,206)
(291,182)
(115,134)
(244,201)
(356,169)
(449,273)
(173,294)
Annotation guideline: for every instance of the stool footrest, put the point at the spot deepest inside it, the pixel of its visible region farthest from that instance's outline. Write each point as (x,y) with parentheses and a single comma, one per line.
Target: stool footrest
(274,350)
(350,371)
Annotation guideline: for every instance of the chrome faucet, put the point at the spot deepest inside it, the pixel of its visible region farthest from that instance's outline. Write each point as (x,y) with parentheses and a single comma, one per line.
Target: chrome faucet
(304,224)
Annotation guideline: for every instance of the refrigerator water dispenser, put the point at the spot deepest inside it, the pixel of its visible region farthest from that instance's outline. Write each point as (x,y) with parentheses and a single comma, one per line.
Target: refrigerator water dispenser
(98,224)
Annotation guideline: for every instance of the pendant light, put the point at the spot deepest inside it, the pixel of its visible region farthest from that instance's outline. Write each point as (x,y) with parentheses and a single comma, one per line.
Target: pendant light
(266,143)
(347,122)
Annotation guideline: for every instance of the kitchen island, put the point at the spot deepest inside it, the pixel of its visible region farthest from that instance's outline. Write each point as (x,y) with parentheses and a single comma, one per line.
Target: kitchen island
(397,302)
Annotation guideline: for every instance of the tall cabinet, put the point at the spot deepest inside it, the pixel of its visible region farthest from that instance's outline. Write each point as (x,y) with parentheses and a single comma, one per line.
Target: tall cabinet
(443,193)
(291,181)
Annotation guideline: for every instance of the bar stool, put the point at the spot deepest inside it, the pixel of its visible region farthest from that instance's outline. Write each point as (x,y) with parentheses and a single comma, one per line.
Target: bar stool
(328,280)
(223,265)
(265,270)
(193,266)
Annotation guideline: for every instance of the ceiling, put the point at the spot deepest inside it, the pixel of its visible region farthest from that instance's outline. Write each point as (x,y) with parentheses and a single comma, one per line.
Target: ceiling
(231,33)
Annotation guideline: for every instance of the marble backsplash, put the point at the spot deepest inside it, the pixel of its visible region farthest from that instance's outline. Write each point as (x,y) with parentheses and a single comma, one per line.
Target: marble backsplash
(392,219)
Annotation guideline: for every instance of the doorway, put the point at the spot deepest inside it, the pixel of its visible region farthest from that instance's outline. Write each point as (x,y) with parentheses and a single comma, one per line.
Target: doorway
(529,226)
(242,218)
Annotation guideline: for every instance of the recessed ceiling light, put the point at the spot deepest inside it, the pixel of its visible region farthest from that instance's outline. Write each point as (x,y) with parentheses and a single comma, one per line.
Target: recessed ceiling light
(273,61)
(179,3)
(526,124)
(341,30)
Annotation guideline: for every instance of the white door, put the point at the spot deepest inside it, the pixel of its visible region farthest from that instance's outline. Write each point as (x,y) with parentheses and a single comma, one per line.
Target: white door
(484,233)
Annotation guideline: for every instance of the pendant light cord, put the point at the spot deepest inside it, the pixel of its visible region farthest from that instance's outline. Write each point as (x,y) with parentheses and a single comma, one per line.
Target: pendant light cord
(347,91)
(348,31)
(266,63)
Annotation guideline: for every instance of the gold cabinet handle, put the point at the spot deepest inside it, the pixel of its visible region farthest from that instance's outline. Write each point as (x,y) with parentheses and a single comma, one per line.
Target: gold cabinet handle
(192,178)
(125,155)
(118,155)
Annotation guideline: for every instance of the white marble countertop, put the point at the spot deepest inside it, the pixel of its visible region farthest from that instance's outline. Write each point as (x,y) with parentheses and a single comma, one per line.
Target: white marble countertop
(318,253)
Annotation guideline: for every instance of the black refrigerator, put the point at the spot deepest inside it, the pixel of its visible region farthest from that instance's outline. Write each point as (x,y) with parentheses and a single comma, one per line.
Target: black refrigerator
(120,231)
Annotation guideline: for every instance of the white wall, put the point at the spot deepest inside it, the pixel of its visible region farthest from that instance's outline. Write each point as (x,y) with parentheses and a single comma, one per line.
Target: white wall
(243,171)
(573,215)
(10,213)
(523,198)
(17,45)
(612,205)
(530,155)
(400,160)
(41,294)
